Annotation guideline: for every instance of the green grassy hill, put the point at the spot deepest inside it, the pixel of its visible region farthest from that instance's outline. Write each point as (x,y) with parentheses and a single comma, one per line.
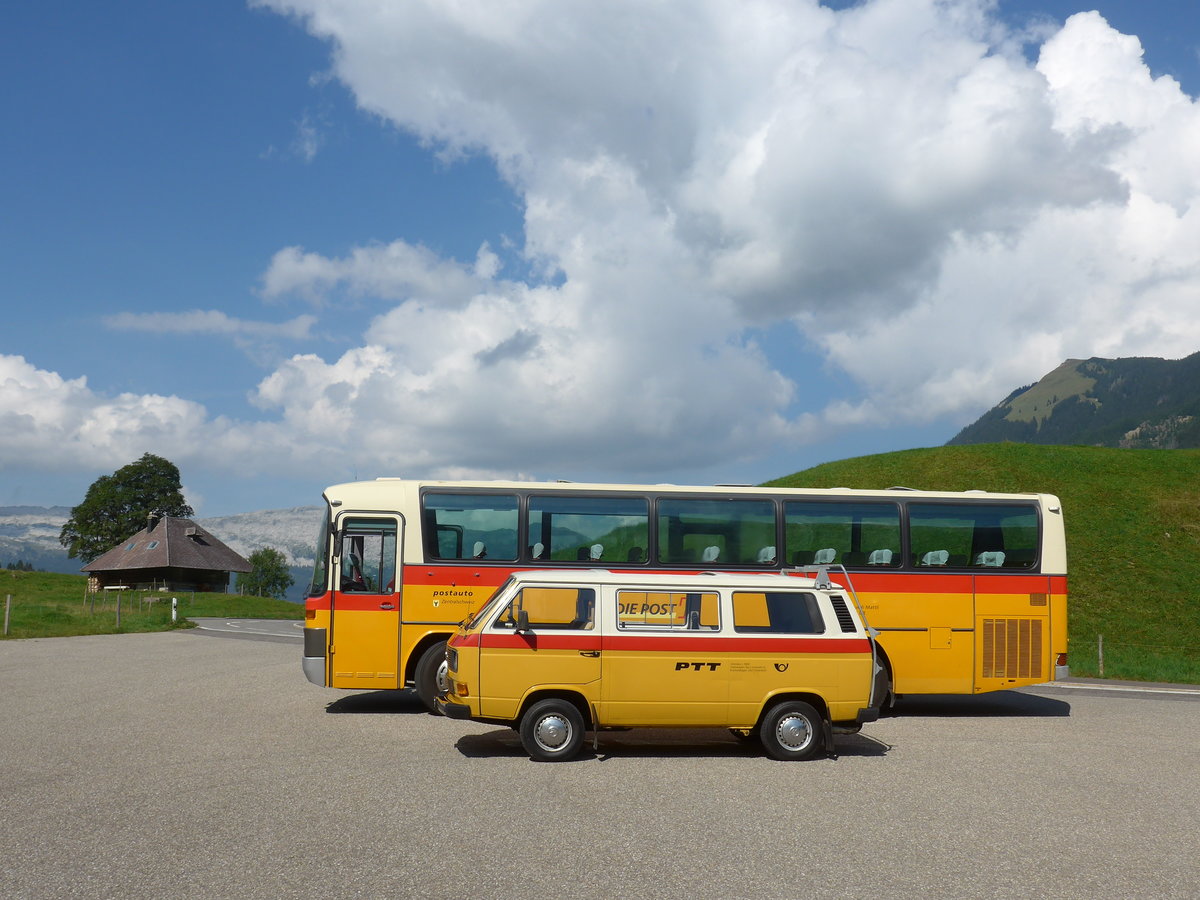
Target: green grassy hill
(49,604)
(1133,538)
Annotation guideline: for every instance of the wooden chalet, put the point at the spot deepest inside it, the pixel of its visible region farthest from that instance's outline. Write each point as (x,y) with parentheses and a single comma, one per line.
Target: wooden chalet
(170,553)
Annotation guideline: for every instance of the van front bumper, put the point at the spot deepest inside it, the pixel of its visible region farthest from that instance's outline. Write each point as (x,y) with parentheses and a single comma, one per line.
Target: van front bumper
(452,710)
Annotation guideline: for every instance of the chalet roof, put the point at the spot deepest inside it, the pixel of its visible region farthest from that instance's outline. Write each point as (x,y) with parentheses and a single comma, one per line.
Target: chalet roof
(170,542)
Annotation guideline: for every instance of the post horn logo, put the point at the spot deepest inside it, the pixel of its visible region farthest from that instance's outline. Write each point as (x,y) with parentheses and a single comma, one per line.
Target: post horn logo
(781,667)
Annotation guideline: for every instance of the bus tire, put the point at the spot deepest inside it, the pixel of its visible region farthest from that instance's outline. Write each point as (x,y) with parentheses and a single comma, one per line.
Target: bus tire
(792,730)
(429,677)
(552,730)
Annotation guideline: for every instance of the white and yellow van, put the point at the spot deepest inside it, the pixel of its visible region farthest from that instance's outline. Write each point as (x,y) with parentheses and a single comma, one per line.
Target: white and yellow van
(557,653)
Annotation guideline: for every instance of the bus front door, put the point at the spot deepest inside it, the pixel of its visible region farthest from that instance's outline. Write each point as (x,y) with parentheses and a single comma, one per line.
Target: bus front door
(364,643)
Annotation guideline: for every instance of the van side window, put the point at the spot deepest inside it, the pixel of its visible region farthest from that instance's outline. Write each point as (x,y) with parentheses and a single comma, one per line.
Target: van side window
(667,610)
(551,609)
(776,612)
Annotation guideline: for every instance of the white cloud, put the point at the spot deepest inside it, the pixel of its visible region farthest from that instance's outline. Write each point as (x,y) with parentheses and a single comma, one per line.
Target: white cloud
(211,321)
(393,271)
(942,219)
(49,423)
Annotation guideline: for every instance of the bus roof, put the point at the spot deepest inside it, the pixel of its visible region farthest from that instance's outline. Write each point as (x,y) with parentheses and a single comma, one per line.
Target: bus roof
(402,485)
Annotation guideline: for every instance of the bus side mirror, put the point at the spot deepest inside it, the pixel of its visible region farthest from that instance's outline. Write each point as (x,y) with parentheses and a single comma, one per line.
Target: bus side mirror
(522,621)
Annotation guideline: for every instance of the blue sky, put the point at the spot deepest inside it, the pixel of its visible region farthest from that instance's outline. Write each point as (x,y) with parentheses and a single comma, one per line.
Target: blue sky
(292,243)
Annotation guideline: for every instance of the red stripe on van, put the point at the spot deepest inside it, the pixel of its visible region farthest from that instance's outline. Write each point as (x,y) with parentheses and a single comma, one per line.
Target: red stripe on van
(673,643)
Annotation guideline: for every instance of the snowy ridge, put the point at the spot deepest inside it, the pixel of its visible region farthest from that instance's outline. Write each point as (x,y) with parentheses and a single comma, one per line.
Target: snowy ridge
(30,533)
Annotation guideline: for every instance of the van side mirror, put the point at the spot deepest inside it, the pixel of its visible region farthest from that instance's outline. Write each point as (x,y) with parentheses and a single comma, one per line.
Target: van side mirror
(522,621)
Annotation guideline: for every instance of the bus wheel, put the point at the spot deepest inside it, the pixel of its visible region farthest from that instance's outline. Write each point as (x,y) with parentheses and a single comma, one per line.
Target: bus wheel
(430,675)
(552,730)
(792,730)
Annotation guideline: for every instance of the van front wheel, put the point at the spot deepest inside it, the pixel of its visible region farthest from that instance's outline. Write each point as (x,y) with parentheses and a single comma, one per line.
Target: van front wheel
(552,730)
(792,730)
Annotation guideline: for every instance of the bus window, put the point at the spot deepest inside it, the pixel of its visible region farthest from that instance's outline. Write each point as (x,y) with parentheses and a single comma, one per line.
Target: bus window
(592,529)
(716,532)
(976,535)
(470,526)
(849,533)
(368,556)
(776,612)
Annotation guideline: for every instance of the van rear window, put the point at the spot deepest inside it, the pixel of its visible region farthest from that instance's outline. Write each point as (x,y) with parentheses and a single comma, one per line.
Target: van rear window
(776,612)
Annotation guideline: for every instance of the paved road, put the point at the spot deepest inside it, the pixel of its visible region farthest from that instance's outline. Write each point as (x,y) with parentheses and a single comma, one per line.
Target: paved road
(183,765)
(288,630)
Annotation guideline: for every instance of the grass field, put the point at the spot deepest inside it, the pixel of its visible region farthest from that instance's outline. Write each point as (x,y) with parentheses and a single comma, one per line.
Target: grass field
(49,604)
(1133,539)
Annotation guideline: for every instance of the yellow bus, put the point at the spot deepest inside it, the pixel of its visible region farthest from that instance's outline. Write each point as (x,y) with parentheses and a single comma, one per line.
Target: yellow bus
(967,590)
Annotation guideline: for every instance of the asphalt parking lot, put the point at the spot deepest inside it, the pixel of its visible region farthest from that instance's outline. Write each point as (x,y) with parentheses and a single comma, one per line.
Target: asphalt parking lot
(197,765)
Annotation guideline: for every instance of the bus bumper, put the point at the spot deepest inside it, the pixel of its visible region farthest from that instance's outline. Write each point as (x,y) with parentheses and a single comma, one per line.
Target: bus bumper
(453,710)
(314,669)
(313,662)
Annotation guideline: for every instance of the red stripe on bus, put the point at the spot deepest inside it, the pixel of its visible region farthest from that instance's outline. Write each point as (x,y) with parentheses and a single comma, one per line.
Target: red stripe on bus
(864,583)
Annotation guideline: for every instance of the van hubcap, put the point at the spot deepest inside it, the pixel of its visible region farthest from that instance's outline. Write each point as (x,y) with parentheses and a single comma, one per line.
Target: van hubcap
(793,732)
(552,732)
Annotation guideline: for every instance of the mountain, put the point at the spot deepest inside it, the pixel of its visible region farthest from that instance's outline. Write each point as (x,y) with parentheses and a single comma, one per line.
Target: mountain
(1135,403)
(30,534)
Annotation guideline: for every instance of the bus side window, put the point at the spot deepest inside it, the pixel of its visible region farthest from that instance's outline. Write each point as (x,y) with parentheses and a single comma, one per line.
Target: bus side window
(470,526)
(716,532)
(565,528)
(853,533)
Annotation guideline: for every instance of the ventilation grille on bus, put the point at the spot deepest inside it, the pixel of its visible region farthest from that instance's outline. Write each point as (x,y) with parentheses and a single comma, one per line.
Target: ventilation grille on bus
(1012,648)
(843,613)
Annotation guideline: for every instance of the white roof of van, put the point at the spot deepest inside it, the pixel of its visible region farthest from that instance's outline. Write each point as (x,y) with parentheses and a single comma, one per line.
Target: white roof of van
(763,580)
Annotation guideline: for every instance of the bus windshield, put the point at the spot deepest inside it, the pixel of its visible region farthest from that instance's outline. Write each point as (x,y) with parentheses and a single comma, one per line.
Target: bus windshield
(320,560)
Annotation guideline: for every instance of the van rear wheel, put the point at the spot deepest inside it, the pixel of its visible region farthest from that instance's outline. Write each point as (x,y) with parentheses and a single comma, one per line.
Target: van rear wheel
(792,730)
(552,730)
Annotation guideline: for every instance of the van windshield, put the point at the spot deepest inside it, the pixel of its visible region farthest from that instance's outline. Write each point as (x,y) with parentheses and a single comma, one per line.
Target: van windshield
(476,618)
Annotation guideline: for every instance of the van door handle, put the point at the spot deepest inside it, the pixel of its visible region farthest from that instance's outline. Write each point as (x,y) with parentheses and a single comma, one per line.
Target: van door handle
(386,605)
(589,652)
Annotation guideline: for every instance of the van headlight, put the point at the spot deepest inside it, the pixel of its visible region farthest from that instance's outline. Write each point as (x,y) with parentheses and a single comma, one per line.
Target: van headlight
(452,659)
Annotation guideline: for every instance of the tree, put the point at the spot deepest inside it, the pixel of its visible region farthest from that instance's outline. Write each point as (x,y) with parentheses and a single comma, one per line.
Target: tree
(269,576)
(116,506)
